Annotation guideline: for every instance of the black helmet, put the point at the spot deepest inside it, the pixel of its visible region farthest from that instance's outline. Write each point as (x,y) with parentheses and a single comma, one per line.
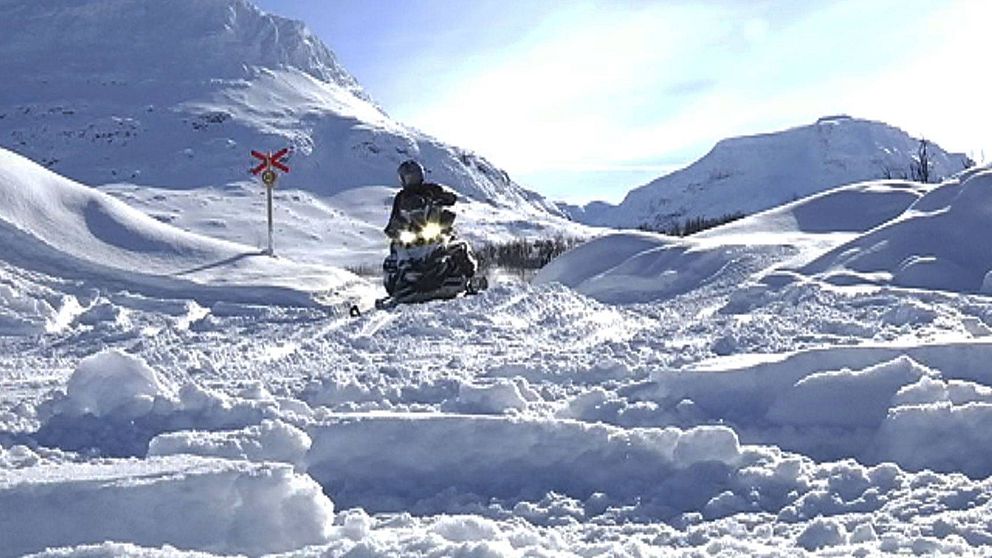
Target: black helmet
(411,173)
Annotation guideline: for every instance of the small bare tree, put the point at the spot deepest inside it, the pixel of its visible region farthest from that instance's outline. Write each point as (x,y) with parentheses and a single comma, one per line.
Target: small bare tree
(921,168)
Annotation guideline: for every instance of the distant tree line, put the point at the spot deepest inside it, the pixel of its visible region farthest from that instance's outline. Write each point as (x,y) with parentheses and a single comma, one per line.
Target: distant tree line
(693,225)
(523,254)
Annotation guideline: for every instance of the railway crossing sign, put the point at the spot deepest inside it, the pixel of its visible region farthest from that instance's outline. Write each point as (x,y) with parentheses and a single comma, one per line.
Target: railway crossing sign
(269,162)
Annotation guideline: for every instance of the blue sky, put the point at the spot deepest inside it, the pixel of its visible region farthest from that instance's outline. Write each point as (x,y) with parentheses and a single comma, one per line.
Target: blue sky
(584,100)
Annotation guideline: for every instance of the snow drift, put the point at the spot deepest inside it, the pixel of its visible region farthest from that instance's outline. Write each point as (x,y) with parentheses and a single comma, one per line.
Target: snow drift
(939,243)
(638,266)
(54,225)
(184,501)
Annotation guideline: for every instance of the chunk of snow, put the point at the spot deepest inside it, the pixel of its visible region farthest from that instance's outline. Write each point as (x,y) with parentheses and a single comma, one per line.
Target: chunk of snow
(377,460)
(184,501)
(355,523)
(938,436)
(466,528)
(115,404)
(821,533)
(112,381)
(272,440)
(495,397)
(859,398)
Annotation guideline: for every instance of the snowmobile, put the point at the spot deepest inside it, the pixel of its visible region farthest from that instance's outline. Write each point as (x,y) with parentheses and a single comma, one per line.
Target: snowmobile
(427,261)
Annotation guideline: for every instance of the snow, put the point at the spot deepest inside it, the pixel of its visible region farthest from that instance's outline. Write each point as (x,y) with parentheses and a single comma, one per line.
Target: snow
(194,503)
(182,106)
(810,380)
(744,405)
(754,173)
(54,225)
(270,440)
(423,457)
(931,246)
(822,533)
(113,382)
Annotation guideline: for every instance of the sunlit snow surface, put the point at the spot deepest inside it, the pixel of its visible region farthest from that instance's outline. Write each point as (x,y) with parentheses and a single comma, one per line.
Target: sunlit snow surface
(810,379)
(735,398)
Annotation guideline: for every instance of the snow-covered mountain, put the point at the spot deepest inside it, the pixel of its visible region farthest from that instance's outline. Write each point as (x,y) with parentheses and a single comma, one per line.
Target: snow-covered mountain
(175,94)
(754,173)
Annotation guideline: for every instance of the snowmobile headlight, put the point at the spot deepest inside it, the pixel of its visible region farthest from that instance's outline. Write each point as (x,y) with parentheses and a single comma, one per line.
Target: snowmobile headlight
(430,231)
(407,237)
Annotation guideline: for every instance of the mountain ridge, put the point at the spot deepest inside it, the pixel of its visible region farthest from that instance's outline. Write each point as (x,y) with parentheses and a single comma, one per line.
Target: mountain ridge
(752,173)
(116,106)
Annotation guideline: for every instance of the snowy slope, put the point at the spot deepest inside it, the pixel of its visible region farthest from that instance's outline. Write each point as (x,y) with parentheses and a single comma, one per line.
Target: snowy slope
(640,266)
(54,225)
(754,173)
(181,105)
(344,229)
(938,243)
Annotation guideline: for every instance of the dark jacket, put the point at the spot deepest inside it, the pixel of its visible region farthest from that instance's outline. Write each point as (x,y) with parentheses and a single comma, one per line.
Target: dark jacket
(411,205)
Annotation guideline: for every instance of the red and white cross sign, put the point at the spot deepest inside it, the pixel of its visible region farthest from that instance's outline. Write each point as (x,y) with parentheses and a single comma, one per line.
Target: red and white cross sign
(270,160)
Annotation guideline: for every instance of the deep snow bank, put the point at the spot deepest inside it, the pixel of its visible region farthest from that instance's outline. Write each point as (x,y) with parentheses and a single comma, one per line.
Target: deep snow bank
(115,404)
(54,225)
(939,243)
(637,266)
(389,461)
(184,501)
(922,406)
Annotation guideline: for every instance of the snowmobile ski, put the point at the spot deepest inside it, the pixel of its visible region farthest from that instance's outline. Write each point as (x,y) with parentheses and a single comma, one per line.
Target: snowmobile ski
(475,285)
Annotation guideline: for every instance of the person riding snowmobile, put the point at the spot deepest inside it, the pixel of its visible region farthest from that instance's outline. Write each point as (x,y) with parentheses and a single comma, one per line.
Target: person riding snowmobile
(424,256)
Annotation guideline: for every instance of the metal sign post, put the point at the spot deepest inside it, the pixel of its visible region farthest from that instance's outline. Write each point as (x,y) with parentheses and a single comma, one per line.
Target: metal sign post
(269,177)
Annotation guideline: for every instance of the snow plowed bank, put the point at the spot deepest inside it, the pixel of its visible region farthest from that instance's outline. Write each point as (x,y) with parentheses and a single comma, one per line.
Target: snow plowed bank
(188,502)
(390,462)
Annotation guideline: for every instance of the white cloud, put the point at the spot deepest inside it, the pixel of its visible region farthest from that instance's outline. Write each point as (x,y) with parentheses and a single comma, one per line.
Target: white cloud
(602,89)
